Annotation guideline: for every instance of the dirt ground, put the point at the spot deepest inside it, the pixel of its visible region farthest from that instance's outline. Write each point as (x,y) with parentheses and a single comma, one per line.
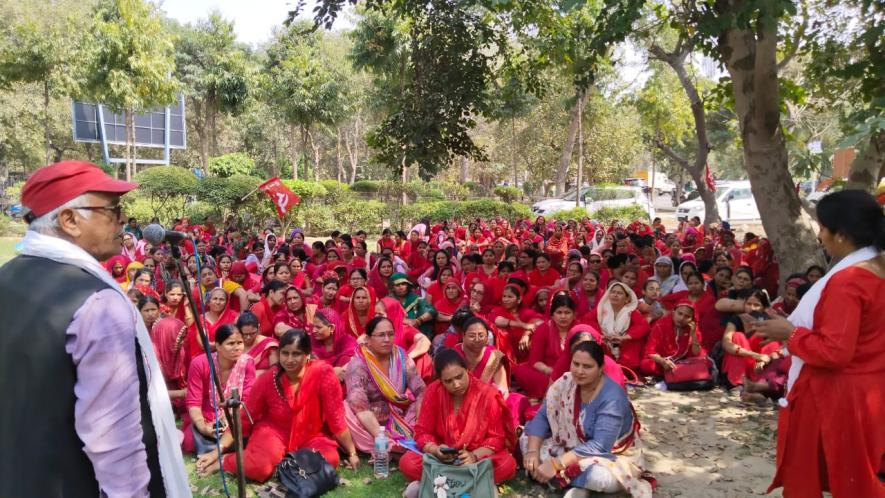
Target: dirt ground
(700,444)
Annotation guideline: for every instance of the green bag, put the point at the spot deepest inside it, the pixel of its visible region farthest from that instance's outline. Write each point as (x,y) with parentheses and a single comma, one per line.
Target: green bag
(476,480)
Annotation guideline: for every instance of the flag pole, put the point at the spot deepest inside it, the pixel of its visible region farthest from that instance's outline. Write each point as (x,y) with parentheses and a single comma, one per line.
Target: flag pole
(250,193)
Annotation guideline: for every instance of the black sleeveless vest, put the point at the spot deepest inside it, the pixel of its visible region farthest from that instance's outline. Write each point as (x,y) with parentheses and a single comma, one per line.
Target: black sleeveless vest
(42,455)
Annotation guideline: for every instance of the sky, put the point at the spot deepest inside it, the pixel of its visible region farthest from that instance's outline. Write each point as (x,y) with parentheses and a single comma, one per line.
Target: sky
(253,20)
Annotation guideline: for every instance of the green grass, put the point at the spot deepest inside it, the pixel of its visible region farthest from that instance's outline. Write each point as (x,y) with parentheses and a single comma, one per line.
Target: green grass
(357,484)
(7,248)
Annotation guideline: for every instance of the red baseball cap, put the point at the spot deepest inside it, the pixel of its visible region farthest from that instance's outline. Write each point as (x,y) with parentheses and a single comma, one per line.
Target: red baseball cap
(51,186)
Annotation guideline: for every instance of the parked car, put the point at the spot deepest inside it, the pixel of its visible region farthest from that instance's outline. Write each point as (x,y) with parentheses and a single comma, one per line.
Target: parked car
(593,198)
(734,199)
(825,189)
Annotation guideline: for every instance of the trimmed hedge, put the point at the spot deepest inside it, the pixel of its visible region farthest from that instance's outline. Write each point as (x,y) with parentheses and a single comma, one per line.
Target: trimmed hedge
(604,215)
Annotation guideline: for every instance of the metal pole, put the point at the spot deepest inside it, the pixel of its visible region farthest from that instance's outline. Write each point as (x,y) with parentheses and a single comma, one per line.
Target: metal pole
(237,431)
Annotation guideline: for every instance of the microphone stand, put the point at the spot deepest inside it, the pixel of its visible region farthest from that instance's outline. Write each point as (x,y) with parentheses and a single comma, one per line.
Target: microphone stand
(233,420)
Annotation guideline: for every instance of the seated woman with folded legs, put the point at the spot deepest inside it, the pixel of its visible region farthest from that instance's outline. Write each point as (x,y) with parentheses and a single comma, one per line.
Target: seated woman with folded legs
(581,435)
(461,412)
(547,346)
(672,338)
(383,388)
(298,404)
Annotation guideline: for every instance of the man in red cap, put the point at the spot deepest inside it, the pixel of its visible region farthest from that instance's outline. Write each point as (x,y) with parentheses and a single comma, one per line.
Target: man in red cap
(85,409)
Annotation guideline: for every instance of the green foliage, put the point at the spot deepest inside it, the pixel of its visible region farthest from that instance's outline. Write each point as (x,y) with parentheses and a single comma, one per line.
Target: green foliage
(199,212)
(359,214)
(138,205)
(335,191)
(10,227)
(508,194)
(226,193)
(132,57)
(604,215)
(14,192)
(165,188)
(368,186)
(468,210)
(308,191)
(228,165)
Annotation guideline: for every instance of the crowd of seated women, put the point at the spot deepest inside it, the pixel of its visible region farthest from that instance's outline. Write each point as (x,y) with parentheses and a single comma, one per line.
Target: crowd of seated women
(454,337)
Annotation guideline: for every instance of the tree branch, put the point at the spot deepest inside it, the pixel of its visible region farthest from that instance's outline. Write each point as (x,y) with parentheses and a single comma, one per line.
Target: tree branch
(797,40)
(672,154)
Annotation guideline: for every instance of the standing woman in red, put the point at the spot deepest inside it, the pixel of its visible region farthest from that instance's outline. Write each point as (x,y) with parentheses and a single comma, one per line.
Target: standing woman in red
(298,405)
(830,433)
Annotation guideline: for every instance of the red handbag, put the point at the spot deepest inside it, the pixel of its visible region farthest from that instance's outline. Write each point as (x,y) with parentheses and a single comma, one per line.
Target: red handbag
(693,369)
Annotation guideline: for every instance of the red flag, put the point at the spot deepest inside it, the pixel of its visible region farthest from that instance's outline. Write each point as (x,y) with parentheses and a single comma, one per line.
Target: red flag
(282,197)
(708,179)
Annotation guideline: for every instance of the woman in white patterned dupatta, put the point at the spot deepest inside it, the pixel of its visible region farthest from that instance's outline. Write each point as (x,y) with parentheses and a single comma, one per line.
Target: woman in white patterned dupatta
(581,435)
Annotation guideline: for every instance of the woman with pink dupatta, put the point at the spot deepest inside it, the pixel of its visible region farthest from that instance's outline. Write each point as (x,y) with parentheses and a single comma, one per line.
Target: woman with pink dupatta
(330,342)
(383,388)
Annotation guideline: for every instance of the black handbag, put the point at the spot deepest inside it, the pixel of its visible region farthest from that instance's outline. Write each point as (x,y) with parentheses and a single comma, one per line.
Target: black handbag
(305,474)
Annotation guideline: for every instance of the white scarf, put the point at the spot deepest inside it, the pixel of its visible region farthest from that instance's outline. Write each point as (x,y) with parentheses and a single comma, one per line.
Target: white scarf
(596,244)
(615,324)
(175,478)
(803,315)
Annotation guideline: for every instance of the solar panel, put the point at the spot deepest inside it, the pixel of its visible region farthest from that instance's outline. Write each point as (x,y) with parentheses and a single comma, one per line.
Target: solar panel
(150,126)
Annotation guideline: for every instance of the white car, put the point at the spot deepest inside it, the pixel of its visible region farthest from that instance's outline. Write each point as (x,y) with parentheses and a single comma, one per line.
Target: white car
(734,199)
(593,198)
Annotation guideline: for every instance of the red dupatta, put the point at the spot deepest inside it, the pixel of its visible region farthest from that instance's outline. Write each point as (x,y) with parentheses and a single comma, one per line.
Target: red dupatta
(351,316)
(164,336)
(307,413)
(397,315)
(446,305)
(471,426)
(260,351)
(343,345)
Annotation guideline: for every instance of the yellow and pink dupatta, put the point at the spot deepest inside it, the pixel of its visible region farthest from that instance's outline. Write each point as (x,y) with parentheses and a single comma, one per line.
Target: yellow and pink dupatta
(393,385)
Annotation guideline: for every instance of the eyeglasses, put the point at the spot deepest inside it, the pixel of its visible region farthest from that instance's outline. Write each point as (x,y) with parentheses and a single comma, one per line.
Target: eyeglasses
(382,335)
(595,261)
(116,209)
(476,337)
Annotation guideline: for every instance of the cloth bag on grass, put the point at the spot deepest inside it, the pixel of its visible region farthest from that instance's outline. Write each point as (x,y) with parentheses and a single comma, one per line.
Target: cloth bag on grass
(439,480)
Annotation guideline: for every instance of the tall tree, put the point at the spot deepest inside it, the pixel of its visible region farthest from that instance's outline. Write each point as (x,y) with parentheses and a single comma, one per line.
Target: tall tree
(303,88)
(42,50)
(215,73)
(659,110)
(130,63)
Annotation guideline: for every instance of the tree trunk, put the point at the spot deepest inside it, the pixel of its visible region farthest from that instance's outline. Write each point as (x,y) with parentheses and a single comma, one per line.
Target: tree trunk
(353,150)
(405,177)
(211,116)
(202,132)
(513,151)
(305,137)
(130,143)
(868,166)
(580,157)
(46,141)
(752,64)
(464,169)
(315,147)
(565,158)
(339,164)
(698,168)
(293,151)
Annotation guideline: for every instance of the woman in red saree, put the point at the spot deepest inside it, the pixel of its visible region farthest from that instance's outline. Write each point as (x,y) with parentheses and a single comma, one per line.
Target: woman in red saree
(548,344)
(557,248)
(490,365)
(745,354)
(587,293)
(216,315)
(167,336)
(703,306)
(416,344)
(116,266)
(330,341)
(272,301)
(543,275)
(296,314)
(299,405)
(830,433)
(517,323)
(452,298)
(360,311)
(262,349)
(674,337)
(379,277)
(461,412)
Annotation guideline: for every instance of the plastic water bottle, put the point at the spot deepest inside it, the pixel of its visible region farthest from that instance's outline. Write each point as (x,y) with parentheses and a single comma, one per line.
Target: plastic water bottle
(381,454)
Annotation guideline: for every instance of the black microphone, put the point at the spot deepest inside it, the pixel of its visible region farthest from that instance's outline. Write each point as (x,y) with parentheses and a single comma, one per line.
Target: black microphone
(155,234)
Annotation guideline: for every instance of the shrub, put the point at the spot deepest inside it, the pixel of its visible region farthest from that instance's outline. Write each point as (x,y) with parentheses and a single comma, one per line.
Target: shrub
(198,212)
(604,215)
(137,205)
(335,191)
(354,215)
(317,219)
(508,194)
(165,188)
(368,186)
(308,191)
(10,227)
(465,210)
(229,165)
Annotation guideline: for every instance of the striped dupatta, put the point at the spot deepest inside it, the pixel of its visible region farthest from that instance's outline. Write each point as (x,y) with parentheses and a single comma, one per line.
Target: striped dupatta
(393,385)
